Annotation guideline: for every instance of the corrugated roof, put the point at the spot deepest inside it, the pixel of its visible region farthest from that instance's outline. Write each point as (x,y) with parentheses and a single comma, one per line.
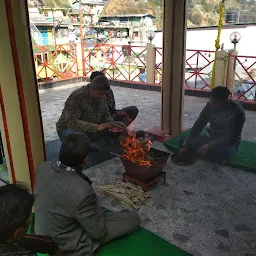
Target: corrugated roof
(129,15)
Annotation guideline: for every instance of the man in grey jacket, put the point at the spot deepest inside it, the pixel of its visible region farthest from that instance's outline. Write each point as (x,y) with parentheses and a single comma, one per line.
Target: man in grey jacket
(225,119)
(66,205)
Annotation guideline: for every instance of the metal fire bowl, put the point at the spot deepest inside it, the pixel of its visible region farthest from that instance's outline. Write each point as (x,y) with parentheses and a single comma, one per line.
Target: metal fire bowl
(144,173)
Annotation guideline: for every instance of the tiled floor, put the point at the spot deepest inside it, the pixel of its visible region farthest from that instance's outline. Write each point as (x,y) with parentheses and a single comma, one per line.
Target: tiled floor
(206,209)
(148,102)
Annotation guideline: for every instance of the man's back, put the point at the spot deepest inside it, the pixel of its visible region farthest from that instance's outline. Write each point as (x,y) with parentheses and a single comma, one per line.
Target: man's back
(67,210)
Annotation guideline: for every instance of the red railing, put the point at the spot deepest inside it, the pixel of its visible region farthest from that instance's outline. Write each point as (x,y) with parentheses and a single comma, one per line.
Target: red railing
(245,78)
(55,62)
(128,63)
(198,68)
(120,62)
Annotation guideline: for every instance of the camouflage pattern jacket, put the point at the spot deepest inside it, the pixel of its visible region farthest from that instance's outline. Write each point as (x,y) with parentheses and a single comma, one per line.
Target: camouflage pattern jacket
(82,114)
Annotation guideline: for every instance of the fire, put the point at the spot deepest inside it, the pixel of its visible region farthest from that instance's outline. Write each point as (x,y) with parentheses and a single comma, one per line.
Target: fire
(135,150)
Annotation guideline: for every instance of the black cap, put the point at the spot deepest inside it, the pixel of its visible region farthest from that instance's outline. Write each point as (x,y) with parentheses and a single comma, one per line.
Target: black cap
(100,83)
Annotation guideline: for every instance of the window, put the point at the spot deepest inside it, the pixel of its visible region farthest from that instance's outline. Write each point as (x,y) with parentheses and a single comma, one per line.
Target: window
(135,34)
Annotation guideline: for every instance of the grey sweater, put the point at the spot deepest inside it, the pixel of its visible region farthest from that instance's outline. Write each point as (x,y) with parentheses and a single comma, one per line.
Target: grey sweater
(67,210)
(226,125)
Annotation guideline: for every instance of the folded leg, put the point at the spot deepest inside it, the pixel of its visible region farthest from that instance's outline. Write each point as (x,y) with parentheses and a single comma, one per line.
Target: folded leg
(119,224)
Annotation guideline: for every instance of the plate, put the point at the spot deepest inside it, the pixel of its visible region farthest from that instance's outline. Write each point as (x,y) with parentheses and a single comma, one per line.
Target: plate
(116,129)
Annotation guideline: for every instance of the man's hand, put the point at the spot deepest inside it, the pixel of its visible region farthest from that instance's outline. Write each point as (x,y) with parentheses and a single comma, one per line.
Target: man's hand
(182,151)
(121,126)
(104,126)
(203,150)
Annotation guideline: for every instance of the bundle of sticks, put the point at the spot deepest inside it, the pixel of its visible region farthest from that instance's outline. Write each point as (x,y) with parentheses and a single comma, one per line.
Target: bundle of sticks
(128,193)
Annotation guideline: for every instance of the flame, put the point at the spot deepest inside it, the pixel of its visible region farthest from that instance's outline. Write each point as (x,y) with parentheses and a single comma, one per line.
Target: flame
(135,150)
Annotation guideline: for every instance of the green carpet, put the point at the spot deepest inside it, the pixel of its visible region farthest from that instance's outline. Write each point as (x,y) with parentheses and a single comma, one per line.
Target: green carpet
(142,242)
(244,158)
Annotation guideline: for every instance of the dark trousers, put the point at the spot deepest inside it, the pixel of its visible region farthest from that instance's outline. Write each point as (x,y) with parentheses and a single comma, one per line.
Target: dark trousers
(131,111)
(94,137)
(219,153)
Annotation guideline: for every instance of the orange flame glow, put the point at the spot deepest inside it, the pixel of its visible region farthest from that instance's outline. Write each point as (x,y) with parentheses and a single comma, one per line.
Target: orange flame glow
(135,150)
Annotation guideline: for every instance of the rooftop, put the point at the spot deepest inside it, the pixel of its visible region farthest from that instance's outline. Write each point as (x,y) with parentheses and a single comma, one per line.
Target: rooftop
(205,209)
(128,15)
(91,2)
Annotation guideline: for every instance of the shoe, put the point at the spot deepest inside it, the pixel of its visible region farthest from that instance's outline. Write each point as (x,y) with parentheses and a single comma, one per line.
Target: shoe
(183,160)
(140,134)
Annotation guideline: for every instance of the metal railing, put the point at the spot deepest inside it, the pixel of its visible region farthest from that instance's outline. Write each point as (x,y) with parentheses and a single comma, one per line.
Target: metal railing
(198,68)
(128,63)
(55,62)
(245,78)
(119,62)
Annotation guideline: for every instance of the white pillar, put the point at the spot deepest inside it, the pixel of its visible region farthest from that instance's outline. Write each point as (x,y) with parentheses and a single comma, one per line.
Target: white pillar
(221,68)
(151,62)
(231,70)
(225,69)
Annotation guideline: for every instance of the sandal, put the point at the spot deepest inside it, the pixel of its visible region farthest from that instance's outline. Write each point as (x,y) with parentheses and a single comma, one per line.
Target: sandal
(185,160)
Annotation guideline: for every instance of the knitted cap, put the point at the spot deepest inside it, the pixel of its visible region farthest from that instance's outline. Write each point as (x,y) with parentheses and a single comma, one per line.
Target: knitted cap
(100,83)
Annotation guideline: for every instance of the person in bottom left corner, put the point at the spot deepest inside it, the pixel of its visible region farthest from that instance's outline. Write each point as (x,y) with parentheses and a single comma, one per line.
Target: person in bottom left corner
(15,209)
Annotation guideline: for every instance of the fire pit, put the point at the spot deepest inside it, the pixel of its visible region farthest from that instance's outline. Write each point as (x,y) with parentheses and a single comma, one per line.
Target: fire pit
(143,164)
(146,173)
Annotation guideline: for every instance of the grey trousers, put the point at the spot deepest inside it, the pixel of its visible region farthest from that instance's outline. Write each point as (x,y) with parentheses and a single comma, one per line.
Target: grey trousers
(119,224)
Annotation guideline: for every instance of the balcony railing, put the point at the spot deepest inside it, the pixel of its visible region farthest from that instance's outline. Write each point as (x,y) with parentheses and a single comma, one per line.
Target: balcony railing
(128,63)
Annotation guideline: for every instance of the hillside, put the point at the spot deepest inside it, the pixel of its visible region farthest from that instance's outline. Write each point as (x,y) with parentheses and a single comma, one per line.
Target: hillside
(199,13)
(50,3)
(116,7)
(206,12)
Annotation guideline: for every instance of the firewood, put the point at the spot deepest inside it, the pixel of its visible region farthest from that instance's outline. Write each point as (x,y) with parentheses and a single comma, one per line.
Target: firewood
(127,193)
(121,198)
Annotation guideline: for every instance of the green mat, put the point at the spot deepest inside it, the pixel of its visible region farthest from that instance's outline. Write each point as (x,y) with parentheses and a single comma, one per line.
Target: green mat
(244,158)
(142,242)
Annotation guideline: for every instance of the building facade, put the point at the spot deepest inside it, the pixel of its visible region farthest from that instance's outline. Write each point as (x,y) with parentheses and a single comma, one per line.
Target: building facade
(132,26)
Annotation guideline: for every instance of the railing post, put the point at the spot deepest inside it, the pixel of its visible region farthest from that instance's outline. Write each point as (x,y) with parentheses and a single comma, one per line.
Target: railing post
(224,69)
(151,63)
(231,70)
(221,68)
(80,58)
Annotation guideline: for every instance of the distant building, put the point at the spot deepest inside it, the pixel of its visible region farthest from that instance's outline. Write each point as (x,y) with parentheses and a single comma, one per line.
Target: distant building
(133,26)
(91,12)
(46,30)
(54,12)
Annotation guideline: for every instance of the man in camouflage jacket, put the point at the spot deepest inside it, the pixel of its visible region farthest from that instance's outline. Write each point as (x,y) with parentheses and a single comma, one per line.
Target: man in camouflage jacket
(86,110)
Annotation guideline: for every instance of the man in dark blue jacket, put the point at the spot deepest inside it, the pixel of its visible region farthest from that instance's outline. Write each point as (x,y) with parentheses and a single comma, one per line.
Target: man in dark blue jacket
(223,119)
(15,209)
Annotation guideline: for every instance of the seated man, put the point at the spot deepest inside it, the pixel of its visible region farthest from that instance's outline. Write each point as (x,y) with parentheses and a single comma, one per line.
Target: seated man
(86,111)
(15,209)
(67,208)
(226,120)
(125,115)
